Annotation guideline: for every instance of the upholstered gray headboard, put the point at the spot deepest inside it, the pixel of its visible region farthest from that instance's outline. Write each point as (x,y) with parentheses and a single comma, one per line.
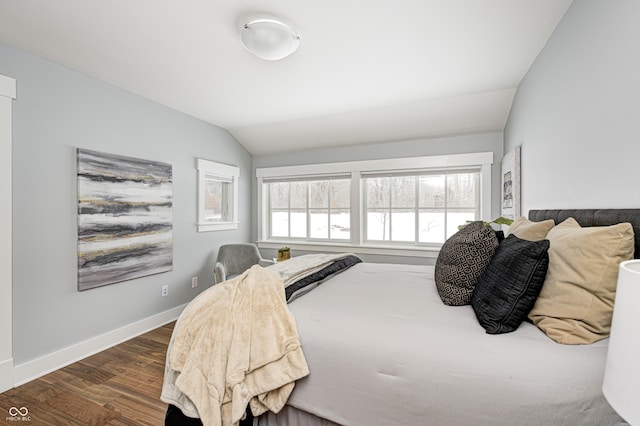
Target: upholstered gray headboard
(594,217)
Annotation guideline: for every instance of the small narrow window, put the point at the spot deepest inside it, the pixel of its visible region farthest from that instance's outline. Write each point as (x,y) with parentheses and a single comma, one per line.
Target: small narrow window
(217,196)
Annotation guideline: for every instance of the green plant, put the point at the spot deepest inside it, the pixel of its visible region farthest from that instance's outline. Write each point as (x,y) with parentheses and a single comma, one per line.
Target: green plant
(498,221)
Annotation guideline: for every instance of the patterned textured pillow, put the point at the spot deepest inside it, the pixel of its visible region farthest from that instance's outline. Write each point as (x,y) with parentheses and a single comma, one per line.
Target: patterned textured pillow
(462,260)
(509,287)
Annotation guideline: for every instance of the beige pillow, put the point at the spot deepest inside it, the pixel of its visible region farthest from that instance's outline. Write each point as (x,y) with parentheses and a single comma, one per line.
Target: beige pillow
(576,301)
(532,231)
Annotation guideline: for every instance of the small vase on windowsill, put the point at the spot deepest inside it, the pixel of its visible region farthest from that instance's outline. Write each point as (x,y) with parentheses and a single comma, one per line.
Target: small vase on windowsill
(284,254)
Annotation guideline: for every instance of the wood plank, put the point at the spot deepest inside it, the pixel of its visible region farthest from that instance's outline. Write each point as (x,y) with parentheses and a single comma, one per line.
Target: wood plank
(141,391)
(134,410)
(40,413)
(63,381)
(82,409)
(123,421)
(117,387)
(87,373)
(100,394)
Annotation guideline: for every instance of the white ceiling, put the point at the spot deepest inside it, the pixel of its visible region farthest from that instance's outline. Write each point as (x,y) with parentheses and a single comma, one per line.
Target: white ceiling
(366,70)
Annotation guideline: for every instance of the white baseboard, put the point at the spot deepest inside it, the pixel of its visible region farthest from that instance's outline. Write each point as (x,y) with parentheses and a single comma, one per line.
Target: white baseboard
(6,374)
(38,367)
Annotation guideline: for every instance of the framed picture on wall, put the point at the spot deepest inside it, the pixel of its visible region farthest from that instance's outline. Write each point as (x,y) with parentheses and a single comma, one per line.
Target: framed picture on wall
(510,198)
(125,225)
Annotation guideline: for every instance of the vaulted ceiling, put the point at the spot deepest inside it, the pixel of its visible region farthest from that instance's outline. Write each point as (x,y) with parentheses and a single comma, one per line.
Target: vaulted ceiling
(366,70)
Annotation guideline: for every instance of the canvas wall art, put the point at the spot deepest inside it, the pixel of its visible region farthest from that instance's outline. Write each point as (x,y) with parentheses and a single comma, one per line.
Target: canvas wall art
(511,184)
(125,223)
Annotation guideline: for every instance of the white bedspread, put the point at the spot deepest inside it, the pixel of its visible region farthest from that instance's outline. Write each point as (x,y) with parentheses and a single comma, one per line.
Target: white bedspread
(384,350)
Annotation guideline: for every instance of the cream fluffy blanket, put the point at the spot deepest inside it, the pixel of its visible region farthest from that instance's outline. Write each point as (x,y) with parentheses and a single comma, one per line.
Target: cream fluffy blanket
(235,344)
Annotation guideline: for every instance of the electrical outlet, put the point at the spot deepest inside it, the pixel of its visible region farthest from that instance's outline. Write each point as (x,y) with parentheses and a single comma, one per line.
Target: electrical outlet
(194,282)
(165,290)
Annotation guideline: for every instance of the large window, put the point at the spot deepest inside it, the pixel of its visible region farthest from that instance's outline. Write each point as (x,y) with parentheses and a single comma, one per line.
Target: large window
(424,208)
(310,209)
(397,204)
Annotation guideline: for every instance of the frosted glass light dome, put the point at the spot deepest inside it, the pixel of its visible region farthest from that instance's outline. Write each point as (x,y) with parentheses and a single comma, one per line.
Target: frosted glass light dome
(622,369)
(269,39)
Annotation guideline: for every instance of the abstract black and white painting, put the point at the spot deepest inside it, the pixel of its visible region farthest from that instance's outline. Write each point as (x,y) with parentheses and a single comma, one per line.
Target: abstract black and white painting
(125,225)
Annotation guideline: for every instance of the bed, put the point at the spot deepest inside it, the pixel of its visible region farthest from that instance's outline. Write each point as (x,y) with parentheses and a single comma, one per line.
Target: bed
(383,349)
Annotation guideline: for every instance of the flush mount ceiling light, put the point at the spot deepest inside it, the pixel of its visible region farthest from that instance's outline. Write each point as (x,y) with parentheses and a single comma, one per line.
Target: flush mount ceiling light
(269,39)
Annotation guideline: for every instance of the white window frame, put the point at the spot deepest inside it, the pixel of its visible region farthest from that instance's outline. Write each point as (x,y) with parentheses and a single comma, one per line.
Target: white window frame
(308,208)
(481,160)
(210,169)
(415,209)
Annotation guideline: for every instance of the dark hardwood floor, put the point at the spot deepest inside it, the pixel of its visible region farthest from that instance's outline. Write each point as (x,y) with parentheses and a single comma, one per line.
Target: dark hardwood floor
(120,386)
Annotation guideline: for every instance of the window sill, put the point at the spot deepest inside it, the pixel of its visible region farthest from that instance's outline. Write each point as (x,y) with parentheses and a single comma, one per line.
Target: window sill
(410,251)
(207,227)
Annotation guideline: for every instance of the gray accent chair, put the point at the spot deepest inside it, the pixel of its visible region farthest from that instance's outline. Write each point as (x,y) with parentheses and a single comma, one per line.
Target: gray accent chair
(234,259)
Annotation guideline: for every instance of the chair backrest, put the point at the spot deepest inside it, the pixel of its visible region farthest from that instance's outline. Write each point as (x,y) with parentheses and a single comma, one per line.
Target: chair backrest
(237,258)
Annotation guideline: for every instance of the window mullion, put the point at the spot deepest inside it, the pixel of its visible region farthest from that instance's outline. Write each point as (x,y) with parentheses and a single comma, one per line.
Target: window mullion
(270,214)
(446,203)
(267,201)
(356,212)
(390,210)
(417,210)
(289,210)
(329,210)
(308,208)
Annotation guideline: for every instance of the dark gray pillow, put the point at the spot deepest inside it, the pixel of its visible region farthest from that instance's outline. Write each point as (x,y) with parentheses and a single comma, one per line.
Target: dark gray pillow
(462,260)
(509,287)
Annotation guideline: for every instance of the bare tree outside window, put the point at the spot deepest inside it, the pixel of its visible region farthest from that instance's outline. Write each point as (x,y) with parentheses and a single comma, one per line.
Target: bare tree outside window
(421,208)
(432,204)
(218,200)
(378,201)
(217,196)
(412,203)
(298,210)
(214,200)
(316,209)
(340,217)
(279,206)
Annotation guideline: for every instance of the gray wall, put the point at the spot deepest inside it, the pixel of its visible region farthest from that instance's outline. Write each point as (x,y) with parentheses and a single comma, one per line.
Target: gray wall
(56,111)
(576,113)
(486,142)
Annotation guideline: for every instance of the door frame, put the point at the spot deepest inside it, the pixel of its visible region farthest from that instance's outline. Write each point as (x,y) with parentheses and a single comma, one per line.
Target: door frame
(7,95)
